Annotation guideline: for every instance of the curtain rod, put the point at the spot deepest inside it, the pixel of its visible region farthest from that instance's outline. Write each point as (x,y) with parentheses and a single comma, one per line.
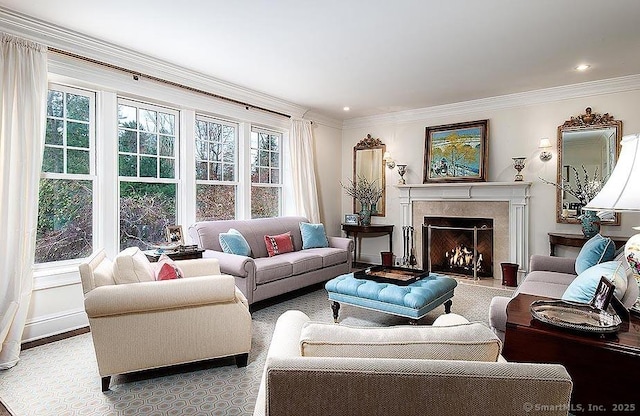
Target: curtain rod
(136,75)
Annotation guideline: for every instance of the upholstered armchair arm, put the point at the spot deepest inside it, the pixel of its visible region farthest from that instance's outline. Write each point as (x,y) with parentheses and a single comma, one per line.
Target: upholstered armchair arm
(232,264)
(553,264)
(199,267)
(159,295)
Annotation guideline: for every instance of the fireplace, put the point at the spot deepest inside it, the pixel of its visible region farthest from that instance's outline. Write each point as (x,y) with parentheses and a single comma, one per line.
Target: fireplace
(458,245)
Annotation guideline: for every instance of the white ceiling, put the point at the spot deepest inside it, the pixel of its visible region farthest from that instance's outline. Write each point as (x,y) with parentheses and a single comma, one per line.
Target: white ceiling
(376,56)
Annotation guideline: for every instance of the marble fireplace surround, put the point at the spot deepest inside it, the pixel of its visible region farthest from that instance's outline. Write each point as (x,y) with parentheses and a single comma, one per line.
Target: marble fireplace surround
(505,202)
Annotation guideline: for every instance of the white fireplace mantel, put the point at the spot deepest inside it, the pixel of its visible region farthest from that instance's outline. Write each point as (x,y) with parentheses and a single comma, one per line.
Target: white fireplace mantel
(516,193)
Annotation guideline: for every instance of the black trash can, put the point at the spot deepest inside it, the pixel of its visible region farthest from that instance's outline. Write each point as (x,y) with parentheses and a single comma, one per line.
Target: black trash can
(509,274)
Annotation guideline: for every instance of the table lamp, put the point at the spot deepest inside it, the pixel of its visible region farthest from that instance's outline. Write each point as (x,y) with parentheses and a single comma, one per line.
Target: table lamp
(621,193)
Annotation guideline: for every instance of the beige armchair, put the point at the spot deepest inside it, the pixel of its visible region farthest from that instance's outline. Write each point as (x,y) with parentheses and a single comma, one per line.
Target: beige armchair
(149,324)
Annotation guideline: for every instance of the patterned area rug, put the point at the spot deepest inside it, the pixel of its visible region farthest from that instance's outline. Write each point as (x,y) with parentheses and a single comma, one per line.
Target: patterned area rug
(61,378)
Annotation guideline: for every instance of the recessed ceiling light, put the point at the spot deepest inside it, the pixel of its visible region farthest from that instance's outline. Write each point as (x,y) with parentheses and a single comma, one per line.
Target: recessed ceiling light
(583,67)
(346,108)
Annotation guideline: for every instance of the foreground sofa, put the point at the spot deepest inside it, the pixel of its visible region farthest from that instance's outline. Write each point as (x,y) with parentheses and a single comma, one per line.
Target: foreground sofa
(138,323)
(549,277)
(261,277)
(297,385)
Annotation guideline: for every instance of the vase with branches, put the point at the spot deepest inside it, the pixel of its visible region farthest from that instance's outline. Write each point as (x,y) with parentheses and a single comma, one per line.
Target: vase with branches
(366,192)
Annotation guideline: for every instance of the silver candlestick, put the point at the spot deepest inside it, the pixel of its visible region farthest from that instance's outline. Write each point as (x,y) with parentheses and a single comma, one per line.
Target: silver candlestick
(402,169)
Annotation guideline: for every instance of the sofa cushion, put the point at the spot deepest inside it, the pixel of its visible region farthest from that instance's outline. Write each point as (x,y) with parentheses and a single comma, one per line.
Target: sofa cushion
(313,235)
(596,250)
(330,256)
(233,242)
(278,244)
(269,269)
(468,342)
(167,269)
(583,288)
(132,266)
(303,262)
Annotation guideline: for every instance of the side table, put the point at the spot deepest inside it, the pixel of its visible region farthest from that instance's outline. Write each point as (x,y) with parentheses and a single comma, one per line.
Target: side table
(359,231)
(153,256)
(576,240)
(604,369)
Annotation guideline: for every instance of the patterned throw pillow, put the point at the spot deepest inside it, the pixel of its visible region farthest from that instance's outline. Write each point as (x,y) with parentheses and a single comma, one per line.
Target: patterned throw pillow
(166,269)
(313,235)
(233,242)
(278,244)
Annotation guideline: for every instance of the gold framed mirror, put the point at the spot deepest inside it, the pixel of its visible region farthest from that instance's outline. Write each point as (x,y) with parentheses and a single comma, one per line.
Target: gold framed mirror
(368,162)
(588,148)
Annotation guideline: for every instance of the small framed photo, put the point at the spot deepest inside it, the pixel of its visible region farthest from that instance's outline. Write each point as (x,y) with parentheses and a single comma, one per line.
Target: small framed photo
(351,219)
(603,295)
(174,234)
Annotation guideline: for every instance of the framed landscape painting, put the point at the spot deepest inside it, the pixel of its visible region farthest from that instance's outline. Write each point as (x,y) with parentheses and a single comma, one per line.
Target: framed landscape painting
(456,152)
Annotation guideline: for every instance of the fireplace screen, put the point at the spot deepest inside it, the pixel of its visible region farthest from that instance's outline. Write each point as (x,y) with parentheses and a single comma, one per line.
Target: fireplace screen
(458,245)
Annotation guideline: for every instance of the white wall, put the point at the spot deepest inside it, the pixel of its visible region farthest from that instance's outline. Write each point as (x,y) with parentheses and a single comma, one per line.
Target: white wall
(328,142)
(515,130)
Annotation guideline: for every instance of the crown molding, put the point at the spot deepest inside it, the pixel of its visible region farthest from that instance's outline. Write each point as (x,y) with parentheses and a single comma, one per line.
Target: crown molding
(67,40)
(542,96)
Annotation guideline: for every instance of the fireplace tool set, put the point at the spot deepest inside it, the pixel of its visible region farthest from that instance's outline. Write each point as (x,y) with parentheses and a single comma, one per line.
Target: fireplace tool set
(409,252)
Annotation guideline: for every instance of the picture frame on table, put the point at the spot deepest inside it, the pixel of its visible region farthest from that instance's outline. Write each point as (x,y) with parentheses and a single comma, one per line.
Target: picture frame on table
(603,295)
(351,219)
(456,152)
(175,235)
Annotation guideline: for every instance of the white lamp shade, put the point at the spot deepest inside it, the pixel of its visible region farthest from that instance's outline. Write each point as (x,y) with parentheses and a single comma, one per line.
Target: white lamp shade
(544,143)
(621,192)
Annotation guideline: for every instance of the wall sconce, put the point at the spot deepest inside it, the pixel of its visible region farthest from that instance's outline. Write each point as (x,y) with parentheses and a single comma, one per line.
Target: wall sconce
(388,160)
(545,154)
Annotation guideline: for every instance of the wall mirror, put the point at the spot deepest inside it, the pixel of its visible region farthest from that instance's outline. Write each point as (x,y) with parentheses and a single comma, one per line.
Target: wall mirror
(368,162)
(591,140)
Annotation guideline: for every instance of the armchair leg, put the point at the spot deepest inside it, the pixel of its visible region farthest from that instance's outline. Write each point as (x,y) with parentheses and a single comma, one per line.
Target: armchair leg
(105,383)
(241,360)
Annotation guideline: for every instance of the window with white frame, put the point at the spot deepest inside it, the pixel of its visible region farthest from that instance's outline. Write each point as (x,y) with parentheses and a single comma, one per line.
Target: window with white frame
(65,206)
(216,161)
(148,172)
(266,173)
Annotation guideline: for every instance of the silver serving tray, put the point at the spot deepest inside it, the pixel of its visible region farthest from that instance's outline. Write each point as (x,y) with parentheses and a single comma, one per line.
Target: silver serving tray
(575,316)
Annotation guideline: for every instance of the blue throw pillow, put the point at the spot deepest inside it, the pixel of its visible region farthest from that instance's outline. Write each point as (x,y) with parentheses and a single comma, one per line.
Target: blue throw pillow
(313,235)
(233,242)
(583,287)
(597,250)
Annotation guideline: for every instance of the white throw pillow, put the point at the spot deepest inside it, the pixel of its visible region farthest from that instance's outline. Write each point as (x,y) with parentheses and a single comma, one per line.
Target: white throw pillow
(466,342)
(132,266)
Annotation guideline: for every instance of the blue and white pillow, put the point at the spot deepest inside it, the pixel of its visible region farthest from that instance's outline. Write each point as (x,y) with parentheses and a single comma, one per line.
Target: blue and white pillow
(233,242)
(313,235)
(596,250)
(583,287)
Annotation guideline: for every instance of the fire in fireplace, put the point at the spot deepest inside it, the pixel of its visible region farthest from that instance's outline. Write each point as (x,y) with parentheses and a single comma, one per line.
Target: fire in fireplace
(458,245)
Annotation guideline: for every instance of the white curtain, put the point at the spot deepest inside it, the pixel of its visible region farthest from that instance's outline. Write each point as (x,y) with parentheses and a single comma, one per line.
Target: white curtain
(23,103)
(303,170)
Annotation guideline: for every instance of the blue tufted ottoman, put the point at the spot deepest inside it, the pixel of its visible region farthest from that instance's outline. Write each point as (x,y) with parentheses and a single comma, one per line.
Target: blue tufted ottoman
(412,301)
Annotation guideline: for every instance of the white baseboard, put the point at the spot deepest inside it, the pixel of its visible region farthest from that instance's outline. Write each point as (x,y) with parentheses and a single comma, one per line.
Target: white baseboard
(54,324)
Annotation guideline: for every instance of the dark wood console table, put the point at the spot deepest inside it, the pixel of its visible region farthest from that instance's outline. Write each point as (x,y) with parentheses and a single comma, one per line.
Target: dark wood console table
(604,370)
(576,240)
(358,231)
(153,256)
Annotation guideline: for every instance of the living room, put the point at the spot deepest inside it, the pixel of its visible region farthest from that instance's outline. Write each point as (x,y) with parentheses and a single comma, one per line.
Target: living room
(525,109)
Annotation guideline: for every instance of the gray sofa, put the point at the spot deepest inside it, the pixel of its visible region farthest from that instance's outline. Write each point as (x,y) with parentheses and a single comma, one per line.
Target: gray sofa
(366,382)
(550,277)
(261,277)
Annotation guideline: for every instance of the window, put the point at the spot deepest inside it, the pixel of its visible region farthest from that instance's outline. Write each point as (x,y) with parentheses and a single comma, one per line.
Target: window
(65,210)
(216,169)
(266,182)
(147,167)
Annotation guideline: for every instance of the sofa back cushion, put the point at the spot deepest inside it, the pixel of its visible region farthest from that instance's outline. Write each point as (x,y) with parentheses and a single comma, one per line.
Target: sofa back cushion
(205,233)
(132,266)
(467,342)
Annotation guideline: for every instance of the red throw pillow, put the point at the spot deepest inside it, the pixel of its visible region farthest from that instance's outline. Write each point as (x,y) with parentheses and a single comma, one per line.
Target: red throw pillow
(278,244)
(166,269)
